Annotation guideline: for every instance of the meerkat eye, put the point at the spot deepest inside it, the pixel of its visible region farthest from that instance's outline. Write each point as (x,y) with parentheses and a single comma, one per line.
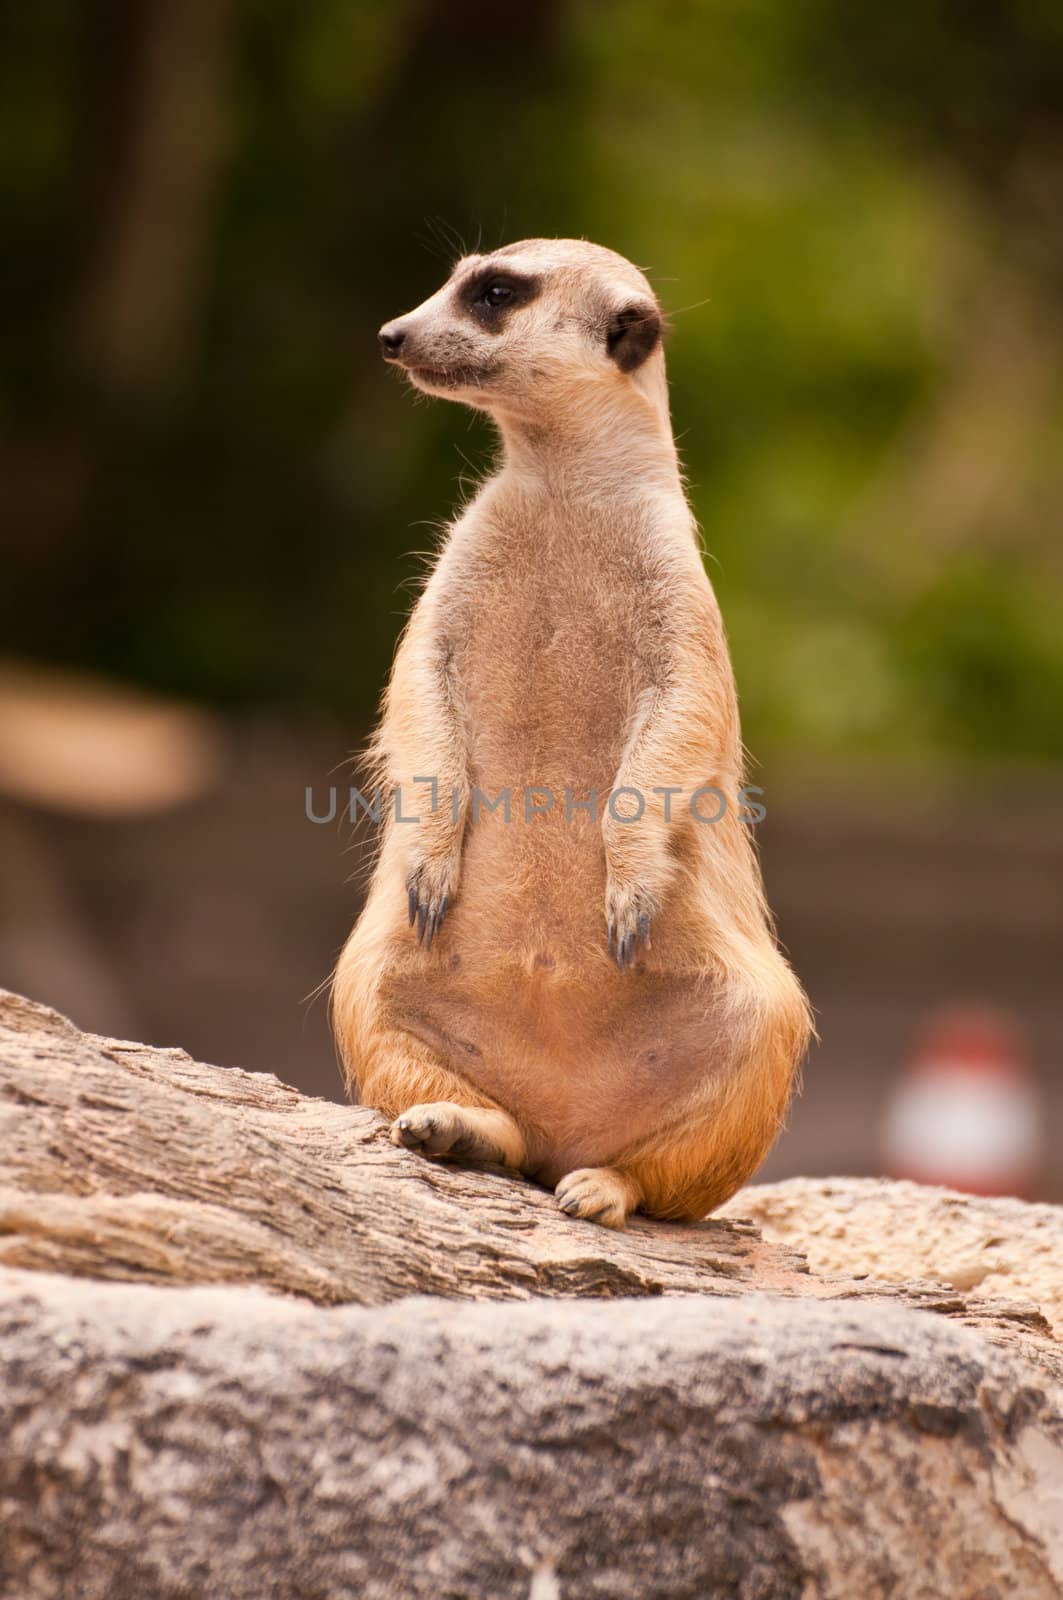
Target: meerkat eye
(492,296)
(495,295)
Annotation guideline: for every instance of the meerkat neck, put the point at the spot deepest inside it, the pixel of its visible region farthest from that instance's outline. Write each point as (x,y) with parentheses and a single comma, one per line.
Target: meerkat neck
(614,446)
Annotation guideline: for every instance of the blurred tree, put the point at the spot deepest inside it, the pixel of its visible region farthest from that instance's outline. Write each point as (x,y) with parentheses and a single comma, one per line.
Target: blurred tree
(853,212)
(155,85)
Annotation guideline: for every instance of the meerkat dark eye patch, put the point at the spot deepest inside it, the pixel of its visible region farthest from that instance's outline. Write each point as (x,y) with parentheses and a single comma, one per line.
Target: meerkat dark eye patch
(632,334)
(492,297)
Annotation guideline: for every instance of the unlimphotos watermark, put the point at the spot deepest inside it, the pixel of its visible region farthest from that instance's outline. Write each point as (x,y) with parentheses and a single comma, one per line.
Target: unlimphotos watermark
(708,804)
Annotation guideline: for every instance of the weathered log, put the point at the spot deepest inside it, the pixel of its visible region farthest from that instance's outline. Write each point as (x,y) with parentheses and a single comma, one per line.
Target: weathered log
(121,1161)
(261,1409)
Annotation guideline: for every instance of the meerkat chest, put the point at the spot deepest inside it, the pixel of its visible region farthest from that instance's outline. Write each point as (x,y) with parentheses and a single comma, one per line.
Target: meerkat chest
(555,628)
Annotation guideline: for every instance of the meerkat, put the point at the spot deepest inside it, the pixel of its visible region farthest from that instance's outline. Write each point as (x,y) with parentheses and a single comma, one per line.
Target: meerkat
(588,990)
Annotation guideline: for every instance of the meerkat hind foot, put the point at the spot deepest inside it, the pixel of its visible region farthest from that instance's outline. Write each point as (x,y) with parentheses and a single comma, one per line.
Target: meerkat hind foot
(464,1133)
(598,1194)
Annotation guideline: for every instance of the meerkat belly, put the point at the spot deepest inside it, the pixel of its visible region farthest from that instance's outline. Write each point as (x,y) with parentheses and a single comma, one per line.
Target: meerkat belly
(589,1063)
(521,995)
(548,707)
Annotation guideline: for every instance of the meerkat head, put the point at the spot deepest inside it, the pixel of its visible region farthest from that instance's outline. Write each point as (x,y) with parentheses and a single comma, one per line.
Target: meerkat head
(527,329)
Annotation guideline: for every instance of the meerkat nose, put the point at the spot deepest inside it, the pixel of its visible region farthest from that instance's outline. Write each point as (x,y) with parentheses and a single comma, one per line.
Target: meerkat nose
(392,337)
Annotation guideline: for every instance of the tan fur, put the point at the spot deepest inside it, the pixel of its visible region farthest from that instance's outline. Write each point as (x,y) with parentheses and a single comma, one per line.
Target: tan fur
(568,637)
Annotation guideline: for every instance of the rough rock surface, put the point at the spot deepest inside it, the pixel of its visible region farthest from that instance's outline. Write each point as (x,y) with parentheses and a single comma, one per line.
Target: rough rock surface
(754,1448)
(900,1231)
(333,1370)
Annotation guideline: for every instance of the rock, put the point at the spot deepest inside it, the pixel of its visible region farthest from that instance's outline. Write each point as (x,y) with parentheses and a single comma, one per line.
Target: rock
(899,1231)
(227,1442)
(250,1349)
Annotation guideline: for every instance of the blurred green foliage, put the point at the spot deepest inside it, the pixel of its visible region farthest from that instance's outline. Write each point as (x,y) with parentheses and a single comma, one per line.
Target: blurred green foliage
(853,212)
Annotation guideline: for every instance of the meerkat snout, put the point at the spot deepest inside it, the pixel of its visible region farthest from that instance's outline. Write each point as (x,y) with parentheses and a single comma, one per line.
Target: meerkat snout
(391,337)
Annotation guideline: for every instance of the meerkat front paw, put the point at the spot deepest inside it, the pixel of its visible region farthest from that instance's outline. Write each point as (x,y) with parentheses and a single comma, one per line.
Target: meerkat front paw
(598,1194)
(629,914)
(430,888)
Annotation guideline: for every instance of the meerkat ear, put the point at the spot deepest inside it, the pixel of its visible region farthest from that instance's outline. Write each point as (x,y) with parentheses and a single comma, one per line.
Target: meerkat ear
(633,334)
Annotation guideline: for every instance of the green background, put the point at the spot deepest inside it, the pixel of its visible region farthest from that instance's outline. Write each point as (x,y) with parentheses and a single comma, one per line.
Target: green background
(853,213)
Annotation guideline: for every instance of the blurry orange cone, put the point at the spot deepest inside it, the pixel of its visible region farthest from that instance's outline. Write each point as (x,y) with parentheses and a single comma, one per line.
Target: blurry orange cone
(966,1112)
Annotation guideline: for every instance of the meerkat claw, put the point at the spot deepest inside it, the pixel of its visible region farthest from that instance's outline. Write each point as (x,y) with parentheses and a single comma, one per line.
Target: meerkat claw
(629,916)
(425,910)
(623,945)
(431,927)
